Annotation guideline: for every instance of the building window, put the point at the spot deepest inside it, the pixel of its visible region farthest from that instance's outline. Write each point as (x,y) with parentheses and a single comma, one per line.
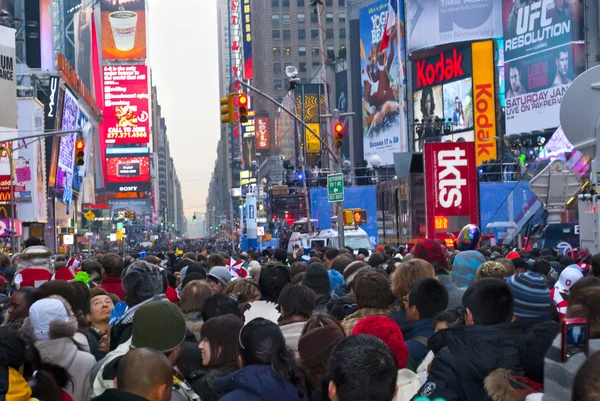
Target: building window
(286,65)
(342,2)
(277,84)
(329,33)
(276,34)
(314,33)
(315,66)
(342,17)
(329,17)
(287,35)
(285,3)
(301,34)
(330,52)
(286,19)
(301,18)
(275,20)
(276,68)
(287,51)
(276,51)
(274,3)
(302,51)
(303,67)
(315,50)
(342,52)
(314,18)
(329,2)
(342,33)
(300,3)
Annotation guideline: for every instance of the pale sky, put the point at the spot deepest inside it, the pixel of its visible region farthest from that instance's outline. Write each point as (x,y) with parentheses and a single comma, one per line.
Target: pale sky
(183,52)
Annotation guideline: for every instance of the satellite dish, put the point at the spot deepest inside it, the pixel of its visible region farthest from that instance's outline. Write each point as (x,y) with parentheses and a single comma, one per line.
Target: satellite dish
(580,112)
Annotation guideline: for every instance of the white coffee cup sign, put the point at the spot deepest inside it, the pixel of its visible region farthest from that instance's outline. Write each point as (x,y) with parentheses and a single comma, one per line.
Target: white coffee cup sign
(123,24)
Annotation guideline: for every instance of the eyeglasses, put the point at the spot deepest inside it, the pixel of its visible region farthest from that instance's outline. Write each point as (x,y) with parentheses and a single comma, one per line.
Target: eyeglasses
(405,299)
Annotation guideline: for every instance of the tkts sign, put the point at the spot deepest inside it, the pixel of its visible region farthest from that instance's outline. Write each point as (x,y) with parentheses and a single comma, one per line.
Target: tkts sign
(451,190)
(443,67)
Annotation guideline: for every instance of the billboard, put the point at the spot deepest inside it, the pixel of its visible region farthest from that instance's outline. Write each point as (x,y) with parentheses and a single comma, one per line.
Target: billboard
(248,151)
(431,23)
(8,78)
(126,115)
(263,133)
(307,106)
(458,104)
(128,173)
(82,21)
(66,149)
(450,188)
(543,53)
(123,29)
(248,72)
(485,101)
(382,69)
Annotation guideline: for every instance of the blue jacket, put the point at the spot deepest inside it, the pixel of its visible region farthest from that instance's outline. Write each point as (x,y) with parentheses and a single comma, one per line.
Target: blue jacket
(257,383)
(415,335)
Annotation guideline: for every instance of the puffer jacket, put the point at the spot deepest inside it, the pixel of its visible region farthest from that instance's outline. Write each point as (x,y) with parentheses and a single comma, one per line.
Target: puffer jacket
(501,385)
(203,382)
(257,383)
(342,307)
(469,354)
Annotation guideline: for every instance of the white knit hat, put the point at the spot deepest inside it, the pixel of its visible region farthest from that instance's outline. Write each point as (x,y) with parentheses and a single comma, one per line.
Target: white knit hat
(44,312)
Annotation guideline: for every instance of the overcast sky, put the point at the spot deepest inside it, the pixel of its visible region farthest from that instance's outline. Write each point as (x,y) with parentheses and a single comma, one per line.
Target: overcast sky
(184,60)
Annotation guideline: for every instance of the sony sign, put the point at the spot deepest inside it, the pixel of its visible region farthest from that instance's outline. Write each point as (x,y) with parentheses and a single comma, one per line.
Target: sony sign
(443,67)
(128,189)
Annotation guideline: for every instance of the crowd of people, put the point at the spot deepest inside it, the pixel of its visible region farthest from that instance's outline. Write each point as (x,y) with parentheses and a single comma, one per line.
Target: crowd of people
(328,326)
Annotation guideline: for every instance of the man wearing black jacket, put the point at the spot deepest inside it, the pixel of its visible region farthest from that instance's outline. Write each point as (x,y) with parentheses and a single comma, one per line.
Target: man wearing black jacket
(470,352)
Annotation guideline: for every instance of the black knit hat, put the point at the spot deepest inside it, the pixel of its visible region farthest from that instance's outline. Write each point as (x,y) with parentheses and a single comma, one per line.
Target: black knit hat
(159,325)
(317,279)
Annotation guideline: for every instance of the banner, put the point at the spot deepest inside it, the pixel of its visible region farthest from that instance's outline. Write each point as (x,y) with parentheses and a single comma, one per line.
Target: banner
(263,133)
(66,152)
(307,107)
(126,115)
(383,88)
(536,86)
(450,188)
(8,78)
(432,23)
(82,21)
(485,101)
(247,39)
(123,29)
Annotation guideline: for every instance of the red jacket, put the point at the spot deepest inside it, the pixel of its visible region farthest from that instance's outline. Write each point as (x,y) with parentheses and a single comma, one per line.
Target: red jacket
(113,285)
(171,294)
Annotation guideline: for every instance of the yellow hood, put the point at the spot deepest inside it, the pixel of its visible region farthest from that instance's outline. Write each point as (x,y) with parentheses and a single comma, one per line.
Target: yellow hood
(18,389)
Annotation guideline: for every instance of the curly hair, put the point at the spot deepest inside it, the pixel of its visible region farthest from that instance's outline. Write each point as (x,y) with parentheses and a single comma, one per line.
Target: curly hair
(409,272)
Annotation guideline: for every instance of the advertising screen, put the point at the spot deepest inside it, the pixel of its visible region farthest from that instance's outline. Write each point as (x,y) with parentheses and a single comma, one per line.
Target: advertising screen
(427,106)
(66,149)
(123,29)
(382,67)
(263,133)
(8,78)
(82,21)
(451,187)
(431,23)
(126,171)
(247,39)
(126,116)
(485,101)
(458,104)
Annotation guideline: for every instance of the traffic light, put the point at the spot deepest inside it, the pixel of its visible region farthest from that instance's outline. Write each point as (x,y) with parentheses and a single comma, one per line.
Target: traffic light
(227,109)
(354,217)
(338,135)
(243,108)
(79,152)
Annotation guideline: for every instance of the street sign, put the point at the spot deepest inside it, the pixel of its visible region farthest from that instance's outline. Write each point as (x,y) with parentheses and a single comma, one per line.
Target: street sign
(89,215)
(335,187)
(119,226)
(68,239)
(260,231)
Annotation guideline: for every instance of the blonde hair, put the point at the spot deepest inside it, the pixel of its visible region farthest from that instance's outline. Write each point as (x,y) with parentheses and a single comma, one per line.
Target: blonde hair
(243,286)
(193,296)
(409,272)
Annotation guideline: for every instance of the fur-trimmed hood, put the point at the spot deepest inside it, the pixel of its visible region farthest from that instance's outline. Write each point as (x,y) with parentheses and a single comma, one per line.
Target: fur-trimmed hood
(38,257)
(501,385)
(41,325)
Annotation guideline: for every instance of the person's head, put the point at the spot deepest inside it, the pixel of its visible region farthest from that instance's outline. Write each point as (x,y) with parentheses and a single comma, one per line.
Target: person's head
(409,272)
(219,278)
(372,290)
(4,260)
(541,266)
(12,348)
(531,295)
(218,338)
(194,295)
(297,268)
(246,290)
(296,302)
(562,63)
(351,271)
(490,269)
(49,319)
(99,307)
(272,280)
(449,318)
(432,252)
(585,303)
(280,255)
(363,368)
(20,302)
(317,279)
(215,259)
(146,373)
(596,265)
(521,265)
(387,331)
(508,265)
(112,265)
(159,325)
(464,267)
(190,255)
(376,259)
(92,267)
(189,359)
(61,288)
(219,305)
(586,386)
(330,255)
(141,281)
(515,78)
(341,262)
(487,302)
(261,342)
(33,241)
(427,103)
(254,270)
(190,277)
(427,297)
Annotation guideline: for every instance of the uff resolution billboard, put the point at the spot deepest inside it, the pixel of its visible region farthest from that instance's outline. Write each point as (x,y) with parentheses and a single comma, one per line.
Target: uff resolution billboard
(543,53)
(126,115)
(450,188)
(431,23)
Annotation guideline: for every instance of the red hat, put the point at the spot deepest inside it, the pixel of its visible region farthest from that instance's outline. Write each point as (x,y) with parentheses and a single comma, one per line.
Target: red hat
(380,248)
(65,274)
(513,255)
(387,331)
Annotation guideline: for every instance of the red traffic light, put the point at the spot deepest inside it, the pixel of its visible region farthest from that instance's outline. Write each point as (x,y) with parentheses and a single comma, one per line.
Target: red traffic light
(79,152)
(79,144)
(243,100)
(338,128)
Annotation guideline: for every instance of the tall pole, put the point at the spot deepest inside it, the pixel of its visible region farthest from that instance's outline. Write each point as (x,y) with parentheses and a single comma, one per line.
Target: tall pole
(13,209)
(301,160)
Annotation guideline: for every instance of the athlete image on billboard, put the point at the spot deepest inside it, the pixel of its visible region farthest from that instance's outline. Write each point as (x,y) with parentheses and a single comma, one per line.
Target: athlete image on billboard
(458,104)
(515,82)
(562,68)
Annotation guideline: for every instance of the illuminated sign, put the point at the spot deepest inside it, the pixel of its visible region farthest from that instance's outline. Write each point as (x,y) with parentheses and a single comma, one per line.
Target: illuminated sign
(485,101)
(74,82)
(441,223)
(263,140)
(130,195)
(128,173)
(247,39)
(66,152)
(443,67)
(234,33)
(126,109)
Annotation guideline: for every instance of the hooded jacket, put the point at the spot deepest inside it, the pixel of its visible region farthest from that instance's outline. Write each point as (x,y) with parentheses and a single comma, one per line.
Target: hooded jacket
(416,333)
(18,389)
(501,385)
(203,382)
(257,383)
(469,354)
(342,307)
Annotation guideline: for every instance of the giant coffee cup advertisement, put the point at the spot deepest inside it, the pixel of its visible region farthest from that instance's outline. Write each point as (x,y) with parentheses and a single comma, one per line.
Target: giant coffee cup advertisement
(123,29)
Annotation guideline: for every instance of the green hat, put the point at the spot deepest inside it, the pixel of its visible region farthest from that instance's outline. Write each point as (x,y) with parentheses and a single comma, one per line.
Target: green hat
(159,325)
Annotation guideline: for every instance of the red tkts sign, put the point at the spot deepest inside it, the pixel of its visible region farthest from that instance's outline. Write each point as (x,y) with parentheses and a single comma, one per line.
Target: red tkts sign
(443,67)
(451,187)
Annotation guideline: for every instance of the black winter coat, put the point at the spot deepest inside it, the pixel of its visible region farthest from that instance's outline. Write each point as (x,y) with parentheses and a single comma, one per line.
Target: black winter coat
(468,355)
(203,382)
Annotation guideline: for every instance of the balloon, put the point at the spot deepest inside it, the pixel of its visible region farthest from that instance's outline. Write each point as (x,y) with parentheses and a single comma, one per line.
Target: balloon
(468,239)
